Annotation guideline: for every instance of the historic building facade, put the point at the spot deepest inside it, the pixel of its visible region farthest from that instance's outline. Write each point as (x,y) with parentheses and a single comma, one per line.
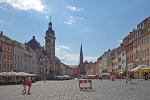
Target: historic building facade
(7,48)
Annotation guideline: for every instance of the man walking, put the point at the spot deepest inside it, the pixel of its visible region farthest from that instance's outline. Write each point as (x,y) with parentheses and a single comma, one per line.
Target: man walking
(100,77)
(24,83)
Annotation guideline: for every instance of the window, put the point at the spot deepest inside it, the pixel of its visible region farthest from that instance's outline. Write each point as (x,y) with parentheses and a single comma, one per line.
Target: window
(15,66)
(148,51)
(130,58)
(142,41)
(18,57)
(4,56)
(7,66)
(148,39)
(145,39)
(10,66)
(138,43)
(10,57)
(4,47)
(48,40)
(7,57)
(8,48)
(4,66)
(147,62)
(32,68)
(18,66)
(11,49)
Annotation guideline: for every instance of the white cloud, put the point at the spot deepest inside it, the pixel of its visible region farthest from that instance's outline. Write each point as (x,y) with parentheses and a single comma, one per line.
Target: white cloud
(87,29)
(47,17)
(73,20)
(120,41)
(1,21)
(57,50)
(81,18)
(64,52)
(74,8)
(64,47)
(26,4)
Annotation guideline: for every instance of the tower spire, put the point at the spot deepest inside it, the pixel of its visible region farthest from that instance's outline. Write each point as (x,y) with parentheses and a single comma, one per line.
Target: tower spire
(50,24)
(81,53)
(50,18)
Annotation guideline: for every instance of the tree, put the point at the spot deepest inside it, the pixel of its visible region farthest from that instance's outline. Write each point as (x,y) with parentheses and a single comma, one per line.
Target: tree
(125,72)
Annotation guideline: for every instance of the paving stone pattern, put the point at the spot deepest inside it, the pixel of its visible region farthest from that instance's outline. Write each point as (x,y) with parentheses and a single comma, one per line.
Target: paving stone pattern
(69,90)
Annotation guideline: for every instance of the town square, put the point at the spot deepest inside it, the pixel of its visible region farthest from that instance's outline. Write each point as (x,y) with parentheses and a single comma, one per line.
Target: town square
(74,50)
(69,90)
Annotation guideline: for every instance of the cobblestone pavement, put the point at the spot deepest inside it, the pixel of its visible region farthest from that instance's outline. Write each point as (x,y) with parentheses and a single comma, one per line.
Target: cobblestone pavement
(69,90)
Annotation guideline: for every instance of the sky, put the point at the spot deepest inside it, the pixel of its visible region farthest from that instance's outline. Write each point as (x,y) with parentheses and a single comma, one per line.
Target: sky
(98,24)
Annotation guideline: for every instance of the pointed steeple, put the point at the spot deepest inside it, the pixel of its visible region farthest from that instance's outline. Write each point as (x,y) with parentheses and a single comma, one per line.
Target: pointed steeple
(50,30)
(50,24)
(81,54)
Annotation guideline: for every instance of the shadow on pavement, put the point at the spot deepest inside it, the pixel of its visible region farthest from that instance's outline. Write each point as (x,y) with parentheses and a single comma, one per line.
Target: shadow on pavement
(134,83)
(88,90)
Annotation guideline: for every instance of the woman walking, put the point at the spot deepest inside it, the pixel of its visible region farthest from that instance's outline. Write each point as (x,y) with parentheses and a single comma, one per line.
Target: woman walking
(129,77)
(29,85)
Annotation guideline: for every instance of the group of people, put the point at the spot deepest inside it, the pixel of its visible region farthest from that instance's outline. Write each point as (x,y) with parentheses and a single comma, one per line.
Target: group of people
(128,78)
(26,82)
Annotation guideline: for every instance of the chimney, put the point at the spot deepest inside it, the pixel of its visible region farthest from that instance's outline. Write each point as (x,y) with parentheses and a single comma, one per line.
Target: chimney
(108,49)
(1,32)
(33,37)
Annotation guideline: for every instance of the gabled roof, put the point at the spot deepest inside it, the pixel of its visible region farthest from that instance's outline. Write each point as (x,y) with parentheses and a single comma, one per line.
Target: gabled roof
(33,44)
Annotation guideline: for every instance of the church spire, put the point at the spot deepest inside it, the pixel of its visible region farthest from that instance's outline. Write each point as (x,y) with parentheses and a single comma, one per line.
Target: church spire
(81,54)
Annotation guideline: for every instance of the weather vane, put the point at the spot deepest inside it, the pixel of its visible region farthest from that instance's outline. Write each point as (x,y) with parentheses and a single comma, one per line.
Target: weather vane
(50,18)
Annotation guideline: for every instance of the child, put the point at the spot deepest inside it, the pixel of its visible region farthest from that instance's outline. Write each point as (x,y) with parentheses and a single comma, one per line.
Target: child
(24,83)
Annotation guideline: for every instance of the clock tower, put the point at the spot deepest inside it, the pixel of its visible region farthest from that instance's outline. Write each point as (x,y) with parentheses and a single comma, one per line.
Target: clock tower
(50,45)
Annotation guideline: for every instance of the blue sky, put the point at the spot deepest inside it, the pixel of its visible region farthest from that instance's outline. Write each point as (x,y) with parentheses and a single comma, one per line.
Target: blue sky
(98,24)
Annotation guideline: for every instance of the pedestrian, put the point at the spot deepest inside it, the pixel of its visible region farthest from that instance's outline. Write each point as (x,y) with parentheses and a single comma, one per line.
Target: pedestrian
(24,83)
(119,76)
(29,85)
(129,77)
(145,75)
(44,79)
(112,74)
(100,77)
